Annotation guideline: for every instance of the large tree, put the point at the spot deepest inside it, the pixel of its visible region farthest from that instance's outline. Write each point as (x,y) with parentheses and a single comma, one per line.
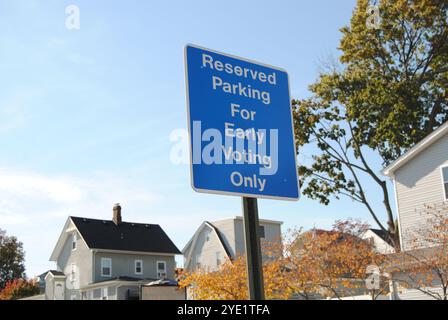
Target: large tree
(12,259)
(388,91)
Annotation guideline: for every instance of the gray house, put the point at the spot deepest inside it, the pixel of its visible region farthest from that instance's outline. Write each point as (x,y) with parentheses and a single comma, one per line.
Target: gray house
(420,178)
(108,259)
(213,242)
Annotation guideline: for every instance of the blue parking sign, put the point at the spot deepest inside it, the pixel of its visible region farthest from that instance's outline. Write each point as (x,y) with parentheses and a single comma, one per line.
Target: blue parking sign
(240,125)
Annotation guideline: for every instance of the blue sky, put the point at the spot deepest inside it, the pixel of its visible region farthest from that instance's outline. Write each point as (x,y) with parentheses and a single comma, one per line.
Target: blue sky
(86,115)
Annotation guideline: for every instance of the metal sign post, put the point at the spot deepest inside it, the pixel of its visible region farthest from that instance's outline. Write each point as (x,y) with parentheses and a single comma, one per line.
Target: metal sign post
(253,249)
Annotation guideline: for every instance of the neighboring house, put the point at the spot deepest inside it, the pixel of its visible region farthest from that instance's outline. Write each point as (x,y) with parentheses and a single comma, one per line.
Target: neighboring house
(356,290)
(403,284)
(379,240)
(41,281)
(420,178)
(214,242)
(108,259)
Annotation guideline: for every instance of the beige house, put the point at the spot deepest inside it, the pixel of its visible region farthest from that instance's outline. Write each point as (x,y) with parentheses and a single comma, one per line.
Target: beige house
(214,242)
(420,178)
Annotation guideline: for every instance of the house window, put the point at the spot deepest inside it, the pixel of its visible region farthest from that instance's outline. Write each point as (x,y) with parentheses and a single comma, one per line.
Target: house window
(218,259)
(445,180)
(73,274)
(161,269)
(262,235)
(138,264)
(74,241)
(106,267)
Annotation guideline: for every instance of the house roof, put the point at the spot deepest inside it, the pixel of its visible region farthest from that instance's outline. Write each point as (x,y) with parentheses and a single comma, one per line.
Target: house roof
(126,236)
(262,220)
(187,250)
(54,272)
(118,280)
(417,149)
(215,230)
(123,278)
(221,239)
(383,235)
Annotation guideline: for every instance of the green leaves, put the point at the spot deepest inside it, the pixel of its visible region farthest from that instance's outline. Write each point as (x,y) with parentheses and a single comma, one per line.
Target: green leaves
(390,94)
(12,259)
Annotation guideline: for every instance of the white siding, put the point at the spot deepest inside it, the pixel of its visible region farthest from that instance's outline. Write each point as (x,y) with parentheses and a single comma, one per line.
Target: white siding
(379,244)
(409,293)
(272,234)
(232,233)
(228,234)
(417,183)
(204,251)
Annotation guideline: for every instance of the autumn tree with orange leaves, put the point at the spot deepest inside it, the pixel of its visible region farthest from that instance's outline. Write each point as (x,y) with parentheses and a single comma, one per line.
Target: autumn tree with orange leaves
(313,264)
(18,289)
(229,282)
(329,264)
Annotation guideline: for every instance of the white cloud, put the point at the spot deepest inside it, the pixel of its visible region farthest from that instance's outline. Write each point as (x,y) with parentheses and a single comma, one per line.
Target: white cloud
(28,194)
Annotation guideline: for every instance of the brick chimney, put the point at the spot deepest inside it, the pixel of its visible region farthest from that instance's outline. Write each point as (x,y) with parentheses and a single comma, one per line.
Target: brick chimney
(116,218)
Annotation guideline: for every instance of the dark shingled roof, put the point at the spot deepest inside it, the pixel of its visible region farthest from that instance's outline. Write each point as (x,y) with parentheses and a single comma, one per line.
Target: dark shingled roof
(127,236)
(124,278)
(383,235)
(54,272)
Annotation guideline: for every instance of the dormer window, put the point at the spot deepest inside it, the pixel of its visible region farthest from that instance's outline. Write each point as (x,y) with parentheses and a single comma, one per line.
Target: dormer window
(74,241)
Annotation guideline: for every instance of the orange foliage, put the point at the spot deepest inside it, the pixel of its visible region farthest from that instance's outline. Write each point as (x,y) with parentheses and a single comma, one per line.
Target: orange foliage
(230,281)
(19,288)
(305,264)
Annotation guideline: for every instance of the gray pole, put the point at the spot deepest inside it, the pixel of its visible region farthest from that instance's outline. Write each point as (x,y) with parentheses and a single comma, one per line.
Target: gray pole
(253,249)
